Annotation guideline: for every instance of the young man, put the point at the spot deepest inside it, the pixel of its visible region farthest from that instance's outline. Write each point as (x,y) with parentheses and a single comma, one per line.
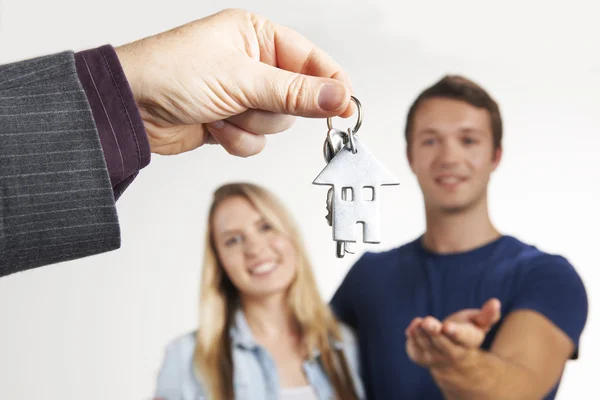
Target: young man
(461,262)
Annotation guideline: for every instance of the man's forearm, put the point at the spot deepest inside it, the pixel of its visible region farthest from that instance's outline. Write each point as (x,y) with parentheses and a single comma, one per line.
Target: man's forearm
(484,375)
(56,201)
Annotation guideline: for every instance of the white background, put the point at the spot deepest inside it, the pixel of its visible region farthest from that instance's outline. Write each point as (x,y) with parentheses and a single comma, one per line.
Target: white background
(95,329)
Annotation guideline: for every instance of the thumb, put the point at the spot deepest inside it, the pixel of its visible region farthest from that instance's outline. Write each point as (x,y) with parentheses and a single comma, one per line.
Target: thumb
(489,314)
(277,90)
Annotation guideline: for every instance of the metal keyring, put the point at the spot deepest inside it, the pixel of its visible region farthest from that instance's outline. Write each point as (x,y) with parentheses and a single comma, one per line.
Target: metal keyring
(358,122)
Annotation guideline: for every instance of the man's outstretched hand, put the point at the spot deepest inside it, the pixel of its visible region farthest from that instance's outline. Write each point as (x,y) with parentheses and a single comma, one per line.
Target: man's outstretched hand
(439,344)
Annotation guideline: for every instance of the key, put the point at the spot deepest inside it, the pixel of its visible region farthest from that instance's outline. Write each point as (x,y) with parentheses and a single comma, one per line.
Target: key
(332,145)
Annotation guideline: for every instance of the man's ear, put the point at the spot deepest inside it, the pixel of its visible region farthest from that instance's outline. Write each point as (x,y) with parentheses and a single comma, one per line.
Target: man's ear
(496,158)
(409,157)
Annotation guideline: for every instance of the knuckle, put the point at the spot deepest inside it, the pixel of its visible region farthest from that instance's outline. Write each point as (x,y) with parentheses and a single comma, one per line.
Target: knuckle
(297,94)
(234,11)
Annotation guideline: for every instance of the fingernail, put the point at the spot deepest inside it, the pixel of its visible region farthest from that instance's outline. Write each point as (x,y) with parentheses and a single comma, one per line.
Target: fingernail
(332,96)
(217,124)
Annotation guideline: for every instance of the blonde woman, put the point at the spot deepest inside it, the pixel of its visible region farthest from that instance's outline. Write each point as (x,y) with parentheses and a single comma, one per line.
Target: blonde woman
(265,333)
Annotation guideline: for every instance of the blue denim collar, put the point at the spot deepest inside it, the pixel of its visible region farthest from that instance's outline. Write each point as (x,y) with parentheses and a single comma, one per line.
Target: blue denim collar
(241,335)
(240,332)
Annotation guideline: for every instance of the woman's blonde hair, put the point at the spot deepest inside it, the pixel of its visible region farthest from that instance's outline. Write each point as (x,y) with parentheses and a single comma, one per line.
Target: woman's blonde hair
(219,300)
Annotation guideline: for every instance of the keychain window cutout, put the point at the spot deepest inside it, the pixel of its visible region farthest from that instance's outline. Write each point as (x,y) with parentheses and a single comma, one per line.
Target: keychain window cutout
(347,194)
(368,193)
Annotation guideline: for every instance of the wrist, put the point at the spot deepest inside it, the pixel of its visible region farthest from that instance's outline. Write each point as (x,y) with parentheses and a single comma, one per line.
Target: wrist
(127,57)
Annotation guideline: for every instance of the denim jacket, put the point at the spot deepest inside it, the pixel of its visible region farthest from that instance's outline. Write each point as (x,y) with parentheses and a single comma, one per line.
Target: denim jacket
(255,373)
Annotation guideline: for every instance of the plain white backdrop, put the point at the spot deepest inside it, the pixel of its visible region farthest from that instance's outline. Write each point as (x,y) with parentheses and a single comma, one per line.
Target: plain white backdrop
(95,329)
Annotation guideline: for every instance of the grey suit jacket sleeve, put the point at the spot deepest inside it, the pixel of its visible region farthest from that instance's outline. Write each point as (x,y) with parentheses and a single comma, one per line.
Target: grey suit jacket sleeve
(56,199)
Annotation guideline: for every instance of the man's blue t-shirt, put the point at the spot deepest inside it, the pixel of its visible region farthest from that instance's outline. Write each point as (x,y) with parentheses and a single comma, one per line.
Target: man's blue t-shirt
(383,292)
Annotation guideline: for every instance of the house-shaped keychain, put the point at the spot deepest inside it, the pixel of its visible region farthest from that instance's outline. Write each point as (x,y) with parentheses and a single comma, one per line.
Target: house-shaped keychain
(355,176)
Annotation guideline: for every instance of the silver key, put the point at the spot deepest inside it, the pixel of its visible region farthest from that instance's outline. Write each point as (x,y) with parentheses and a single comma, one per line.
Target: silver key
(334,142)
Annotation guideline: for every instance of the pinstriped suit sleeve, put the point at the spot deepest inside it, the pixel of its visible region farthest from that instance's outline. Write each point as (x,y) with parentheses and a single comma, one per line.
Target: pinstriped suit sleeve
(56,199)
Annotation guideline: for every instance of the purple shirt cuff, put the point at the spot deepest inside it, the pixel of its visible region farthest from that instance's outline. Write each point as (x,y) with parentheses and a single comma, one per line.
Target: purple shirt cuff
(120,126)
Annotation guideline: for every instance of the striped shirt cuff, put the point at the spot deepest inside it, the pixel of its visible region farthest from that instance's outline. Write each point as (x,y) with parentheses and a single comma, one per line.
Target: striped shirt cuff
(118,120)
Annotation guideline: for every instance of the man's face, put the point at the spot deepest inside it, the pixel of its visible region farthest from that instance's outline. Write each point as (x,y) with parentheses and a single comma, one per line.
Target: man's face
(451,153)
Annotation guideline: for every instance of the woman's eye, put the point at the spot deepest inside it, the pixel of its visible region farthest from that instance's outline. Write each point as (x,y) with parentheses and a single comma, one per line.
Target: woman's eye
(233,240)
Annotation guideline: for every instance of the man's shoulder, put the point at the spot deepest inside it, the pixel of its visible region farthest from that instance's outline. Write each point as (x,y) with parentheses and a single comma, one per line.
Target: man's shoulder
(530,255)
(533,263)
